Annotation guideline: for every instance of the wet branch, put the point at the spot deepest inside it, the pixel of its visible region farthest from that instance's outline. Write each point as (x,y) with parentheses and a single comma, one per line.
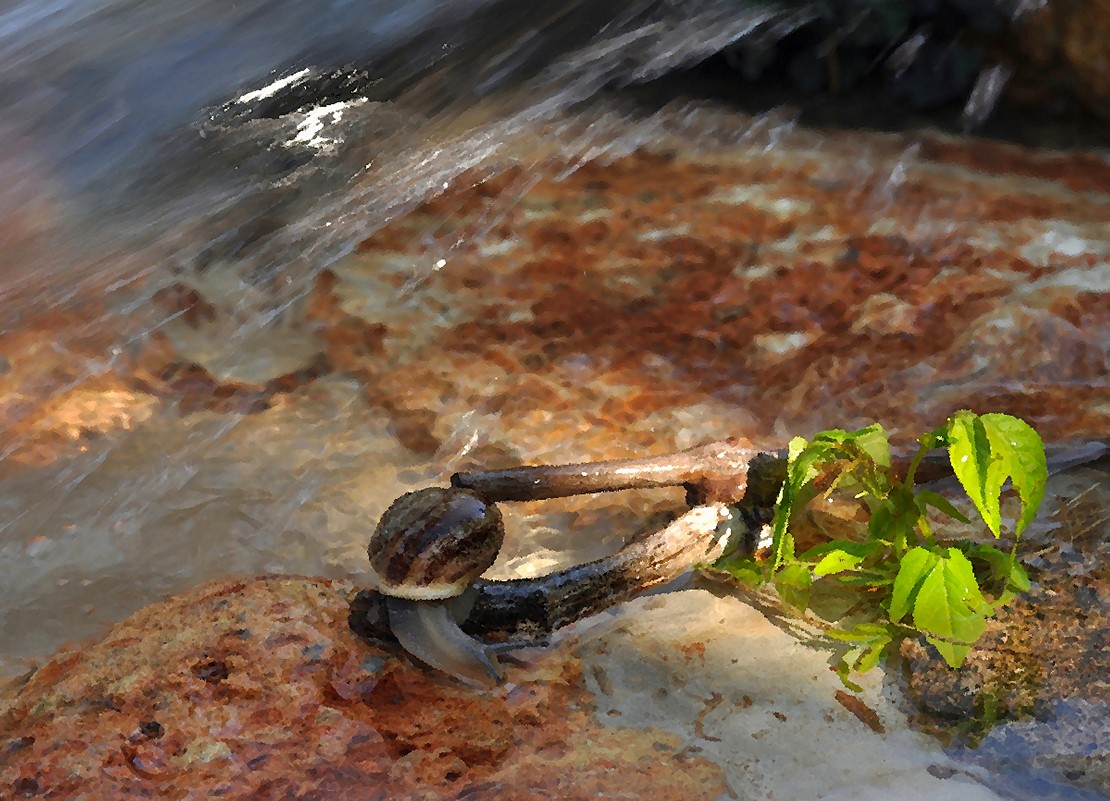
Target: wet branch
(529,610)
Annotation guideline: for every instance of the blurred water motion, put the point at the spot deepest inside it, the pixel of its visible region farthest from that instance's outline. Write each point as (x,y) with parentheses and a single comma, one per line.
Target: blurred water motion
(276,134)
(246,147)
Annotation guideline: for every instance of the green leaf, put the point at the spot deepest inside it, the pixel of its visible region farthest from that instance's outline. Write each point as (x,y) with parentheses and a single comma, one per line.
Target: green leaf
(937,438)
(793,583)
(783,549)
(831,436)
(861,632)
(999,561)
(801,470)
(872,655)
(860,549)
(870,441)
(895,520)
(970,454)
(870,640)
(1007,575)
(795,447)
(782,545)
(914,567)
(746,572)
(954,653)
(869,579)
(864,458)
(873,441)
(1023,460)
(1019,579)
(836,562)
(949,606)
(832,600)
(844,670)
(927,498)
(899,567)
(985,450)
(880,527)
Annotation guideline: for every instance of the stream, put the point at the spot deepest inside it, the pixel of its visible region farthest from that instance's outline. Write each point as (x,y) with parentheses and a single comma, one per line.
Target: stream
(267,266)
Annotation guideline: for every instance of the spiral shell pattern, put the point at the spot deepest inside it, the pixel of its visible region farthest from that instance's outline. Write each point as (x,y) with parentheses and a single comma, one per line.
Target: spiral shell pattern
(432,543)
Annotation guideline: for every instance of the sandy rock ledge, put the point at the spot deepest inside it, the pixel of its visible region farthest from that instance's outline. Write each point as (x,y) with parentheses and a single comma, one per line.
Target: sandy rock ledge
(258,689)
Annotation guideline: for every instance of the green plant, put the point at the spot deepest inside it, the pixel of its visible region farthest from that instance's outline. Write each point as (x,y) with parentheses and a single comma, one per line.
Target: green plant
(897,580)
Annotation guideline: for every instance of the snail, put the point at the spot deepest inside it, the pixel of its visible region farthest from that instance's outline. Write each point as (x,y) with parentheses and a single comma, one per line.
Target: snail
(428,548)
(432,545)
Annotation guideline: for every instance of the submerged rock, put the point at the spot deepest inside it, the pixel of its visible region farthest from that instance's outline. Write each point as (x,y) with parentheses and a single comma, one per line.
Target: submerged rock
(609,285)
(698,274)
(258,689)
(700,289)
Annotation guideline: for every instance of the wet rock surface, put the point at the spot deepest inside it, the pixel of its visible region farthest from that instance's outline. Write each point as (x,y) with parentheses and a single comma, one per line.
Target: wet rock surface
(258,689)
(692,295)
(734,276)
(1032,701)
(759,283)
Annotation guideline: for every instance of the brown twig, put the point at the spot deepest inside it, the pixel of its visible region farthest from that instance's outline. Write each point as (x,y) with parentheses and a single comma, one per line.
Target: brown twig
(529,610)
(714,472)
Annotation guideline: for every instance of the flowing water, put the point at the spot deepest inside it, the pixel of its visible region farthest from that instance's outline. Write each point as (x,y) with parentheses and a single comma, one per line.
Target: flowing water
(175,178)
(237,145)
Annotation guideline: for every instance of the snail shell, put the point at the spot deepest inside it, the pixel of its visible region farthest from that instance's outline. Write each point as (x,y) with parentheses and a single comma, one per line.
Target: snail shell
(428,548)
(432,543)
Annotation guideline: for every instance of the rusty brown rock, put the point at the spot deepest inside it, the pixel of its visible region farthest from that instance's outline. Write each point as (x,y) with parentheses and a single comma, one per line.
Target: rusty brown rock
(258,689)
(1070,41)
(66,378)
(72,375)
(180,299)
(664,299)
(192,387)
